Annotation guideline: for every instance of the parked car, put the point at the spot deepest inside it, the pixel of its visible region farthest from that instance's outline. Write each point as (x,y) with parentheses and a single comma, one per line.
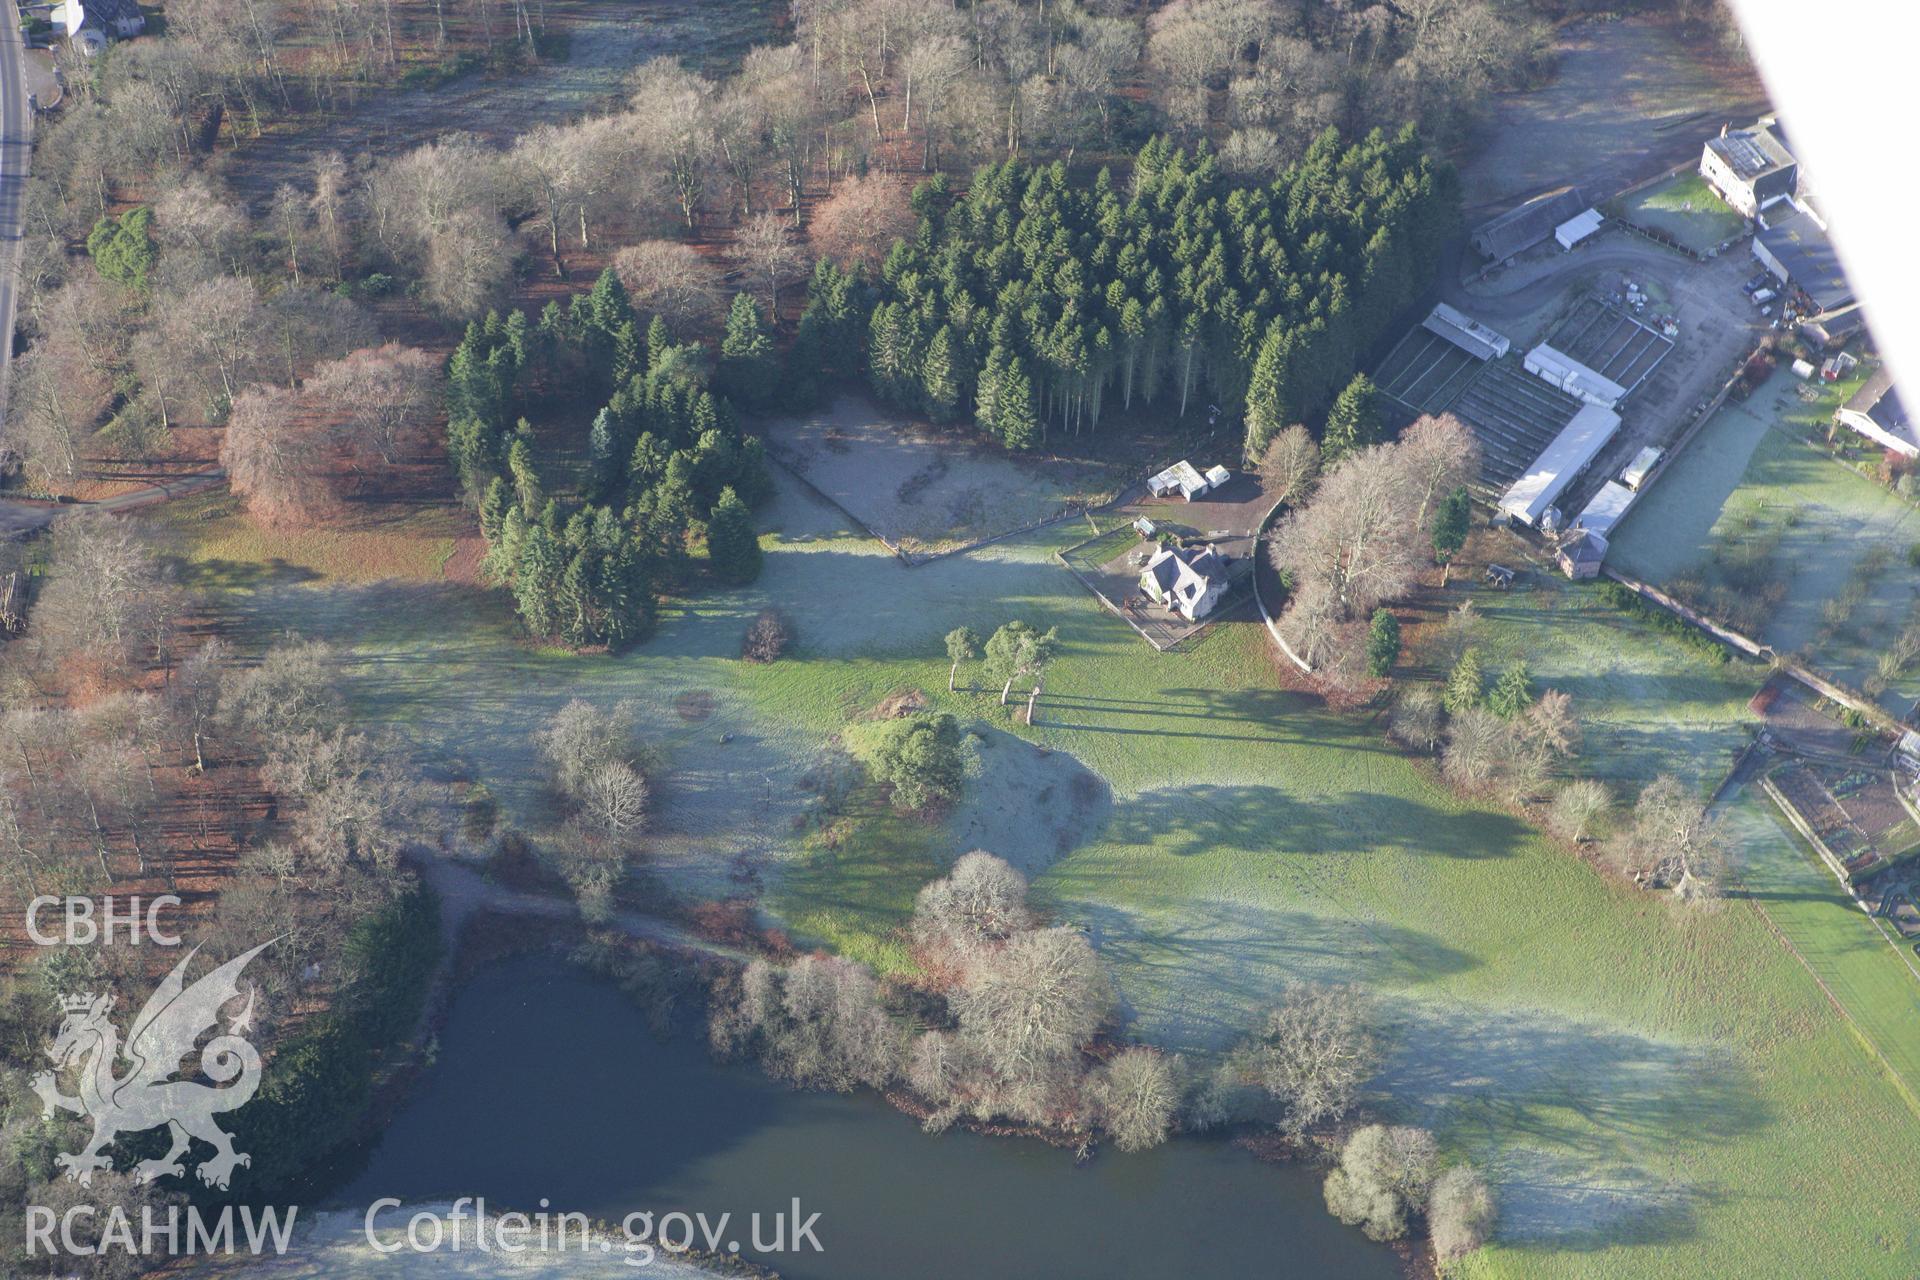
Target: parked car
(1763,297)
(1758,282)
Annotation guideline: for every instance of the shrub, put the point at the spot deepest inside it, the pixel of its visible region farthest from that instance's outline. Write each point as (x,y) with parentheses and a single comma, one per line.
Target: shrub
(920,759)
(1460,1214)
(768,637)
(1384,1175)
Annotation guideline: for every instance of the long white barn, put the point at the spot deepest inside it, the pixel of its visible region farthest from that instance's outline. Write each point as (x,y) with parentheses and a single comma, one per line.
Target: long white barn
(1557,466)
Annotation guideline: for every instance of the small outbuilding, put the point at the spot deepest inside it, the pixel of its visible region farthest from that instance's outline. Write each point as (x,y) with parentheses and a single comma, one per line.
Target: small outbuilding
(1463,331)
(1578,228)
(1641,467)
(1581,554)
(1182,478)
(1605,509)
(1189,582)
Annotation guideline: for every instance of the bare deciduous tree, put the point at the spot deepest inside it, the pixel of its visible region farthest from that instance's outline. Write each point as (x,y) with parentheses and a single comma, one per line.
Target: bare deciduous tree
(672,281)
(1315,1052)
(1672,842)
(862,218)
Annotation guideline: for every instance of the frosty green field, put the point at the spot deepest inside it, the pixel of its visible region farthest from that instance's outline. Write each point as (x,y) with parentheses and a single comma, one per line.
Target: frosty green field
(1648,1087)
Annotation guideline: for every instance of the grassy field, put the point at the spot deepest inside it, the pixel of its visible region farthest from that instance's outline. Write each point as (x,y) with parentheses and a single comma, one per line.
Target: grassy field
(1750,486)
(1657,1094)
(1686,210)
(1647,702)
(1786,879)
(218,540)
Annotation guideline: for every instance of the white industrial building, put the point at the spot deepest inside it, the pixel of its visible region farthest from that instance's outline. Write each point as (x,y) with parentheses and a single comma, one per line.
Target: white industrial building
(1571,452)
(1466,333)
(1574,378)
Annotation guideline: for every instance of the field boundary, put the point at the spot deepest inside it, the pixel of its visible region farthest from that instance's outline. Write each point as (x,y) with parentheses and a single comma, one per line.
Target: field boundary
(1259,558)
(1907,1088)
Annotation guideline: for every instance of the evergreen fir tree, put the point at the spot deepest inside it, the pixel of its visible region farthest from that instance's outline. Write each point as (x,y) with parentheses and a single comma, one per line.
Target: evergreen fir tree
(1354,421)
(746,355)
(526,480)
(659,338)
(1512,692)
(732,546)
(536,580)
(939,379)
(1465,683)
(1383,642)
(1013,409)
(1450,522)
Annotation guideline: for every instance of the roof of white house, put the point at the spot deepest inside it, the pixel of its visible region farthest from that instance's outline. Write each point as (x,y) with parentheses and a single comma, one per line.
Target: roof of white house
(1751,153)
(1559,463)
(1184,576)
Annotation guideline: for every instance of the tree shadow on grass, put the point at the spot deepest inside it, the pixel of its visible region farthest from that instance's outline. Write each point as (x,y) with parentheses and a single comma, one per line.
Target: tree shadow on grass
(1578,1123)
(1202,819)
(1201,980)
(239,575)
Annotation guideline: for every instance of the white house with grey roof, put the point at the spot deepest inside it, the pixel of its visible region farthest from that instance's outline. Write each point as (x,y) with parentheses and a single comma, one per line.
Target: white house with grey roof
(1189,582)
(1750,168)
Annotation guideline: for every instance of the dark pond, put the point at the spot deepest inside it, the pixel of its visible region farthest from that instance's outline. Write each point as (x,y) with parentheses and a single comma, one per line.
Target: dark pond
(549,1085)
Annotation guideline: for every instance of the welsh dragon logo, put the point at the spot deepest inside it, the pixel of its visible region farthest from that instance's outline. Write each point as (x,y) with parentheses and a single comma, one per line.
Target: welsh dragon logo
(147,1096)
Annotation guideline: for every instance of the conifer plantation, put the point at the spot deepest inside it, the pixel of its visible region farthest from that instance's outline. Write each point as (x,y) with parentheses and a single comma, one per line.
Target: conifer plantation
(1035,307)
(665,456)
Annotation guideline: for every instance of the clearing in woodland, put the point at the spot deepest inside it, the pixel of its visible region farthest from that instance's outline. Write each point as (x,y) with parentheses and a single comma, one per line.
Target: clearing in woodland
(922,493)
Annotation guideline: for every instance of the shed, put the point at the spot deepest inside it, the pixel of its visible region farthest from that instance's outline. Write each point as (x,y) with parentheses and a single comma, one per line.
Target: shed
(1569,454)
(1466,333)
(1606,508)
(1581,554)
(1578,228)
(1181,478)
(1521,228)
